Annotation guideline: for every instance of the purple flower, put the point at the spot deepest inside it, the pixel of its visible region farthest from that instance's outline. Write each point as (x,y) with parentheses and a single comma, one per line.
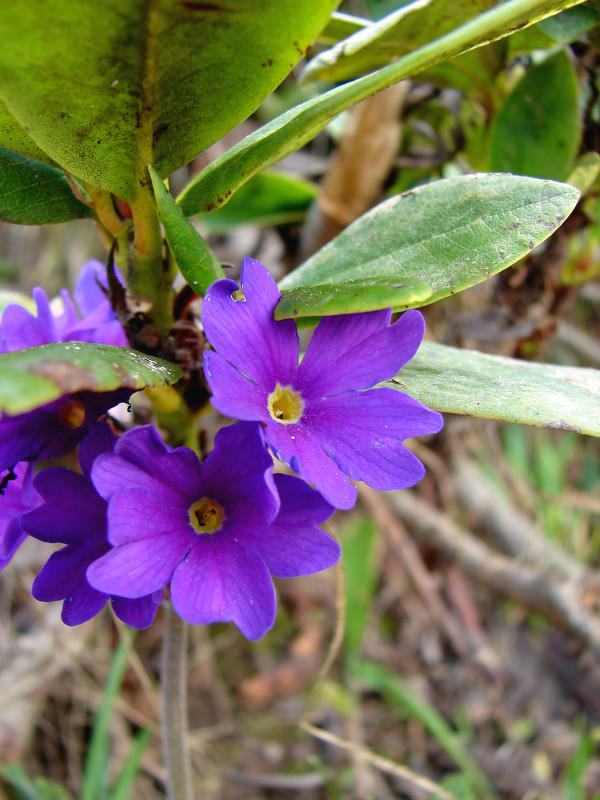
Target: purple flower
(214,532)
(315,417)
(56,428)
(17,497)
(74,513)
(20,329)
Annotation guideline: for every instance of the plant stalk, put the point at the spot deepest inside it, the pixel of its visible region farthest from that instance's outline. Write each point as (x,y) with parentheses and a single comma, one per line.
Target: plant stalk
(174,707)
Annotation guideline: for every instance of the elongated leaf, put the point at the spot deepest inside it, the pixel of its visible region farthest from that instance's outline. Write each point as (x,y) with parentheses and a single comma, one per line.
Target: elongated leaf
(196,261)
(25,788)
(350,297)
(32,193)
(537,130)
(448,235)
(270,198)
(340,26)
(36,376)
(288,132)
(105,88)
(399,33)
(481,385)
(360,573)
(14,138)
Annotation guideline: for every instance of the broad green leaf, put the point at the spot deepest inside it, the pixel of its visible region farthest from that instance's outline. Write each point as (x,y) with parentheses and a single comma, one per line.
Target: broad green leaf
(360,574)
(36,376)
(448,235)
(482,385)
(537,130)
(270,198)
(106,88)
(196,261)
(32,193)
(399,33)
(292,129)
(351,297)
(571,24)
(14,138)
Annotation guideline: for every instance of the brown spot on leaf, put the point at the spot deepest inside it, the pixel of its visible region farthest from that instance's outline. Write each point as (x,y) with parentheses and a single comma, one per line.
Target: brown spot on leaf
(68,377)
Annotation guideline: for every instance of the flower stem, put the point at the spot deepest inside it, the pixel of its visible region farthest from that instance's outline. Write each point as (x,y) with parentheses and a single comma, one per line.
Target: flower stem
(174,707)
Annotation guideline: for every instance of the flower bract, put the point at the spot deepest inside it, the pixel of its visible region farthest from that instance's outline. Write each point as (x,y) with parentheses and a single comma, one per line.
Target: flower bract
(216,532)
(73,513)
(316,415)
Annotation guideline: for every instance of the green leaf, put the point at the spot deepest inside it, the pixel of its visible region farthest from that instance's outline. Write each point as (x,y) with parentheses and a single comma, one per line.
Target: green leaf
(448,235)
(292,129)
(14,138)
(571,24)
(586,172)
(196,261)
(399,33)
(340,26)
(482,385)
(106,88)
(25,788)
(270,198)
(358,538)
(351,297)
(36,376)
(537,130)
(32,193)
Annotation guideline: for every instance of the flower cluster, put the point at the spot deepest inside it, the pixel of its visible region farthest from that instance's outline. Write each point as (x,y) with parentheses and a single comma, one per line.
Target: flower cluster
(142,515)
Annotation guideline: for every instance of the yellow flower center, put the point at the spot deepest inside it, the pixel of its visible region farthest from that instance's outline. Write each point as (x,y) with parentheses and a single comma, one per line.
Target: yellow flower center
(285,405)
(206,516)
(72,414)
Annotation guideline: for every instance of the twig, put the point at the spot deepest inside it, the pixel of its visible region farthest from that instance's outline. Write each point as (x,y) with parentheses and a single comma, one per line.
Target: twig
(384,764)
(546,590)
(408,554)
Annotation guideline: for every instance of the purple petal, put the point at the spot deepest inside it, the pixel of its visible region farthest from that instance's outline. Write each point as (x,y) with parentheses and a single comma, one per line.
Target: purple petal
(239,471)
(20,329)
(139,613)
(141,458)
(356,351)
(362,432)
(73,512)
(234,395)
(82,605)
(88,293)
(136,514)
(222,581)
(138,568)
(63,573)
(99,439)
(304,452)
(293,544)
(245,333)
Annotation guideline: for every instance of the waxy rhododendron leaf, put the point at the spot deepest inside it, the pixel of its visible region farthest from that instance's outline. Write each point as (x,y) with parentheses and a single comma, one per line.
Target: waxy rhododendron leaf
(292,129)
(196,261)
(482,385)
(449,235)
(401,32)
(105,89)
(537,130)
(350,297)
(13,137)
(32,193)
(36,376)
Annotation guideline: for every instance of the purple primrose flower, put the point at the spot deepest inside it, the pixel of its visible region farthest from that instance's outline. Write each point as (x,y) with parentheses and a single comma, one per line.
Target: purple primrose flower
(17,497)
(57,427)
(20,329)
(74,514)
(315,416)
(214,531)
